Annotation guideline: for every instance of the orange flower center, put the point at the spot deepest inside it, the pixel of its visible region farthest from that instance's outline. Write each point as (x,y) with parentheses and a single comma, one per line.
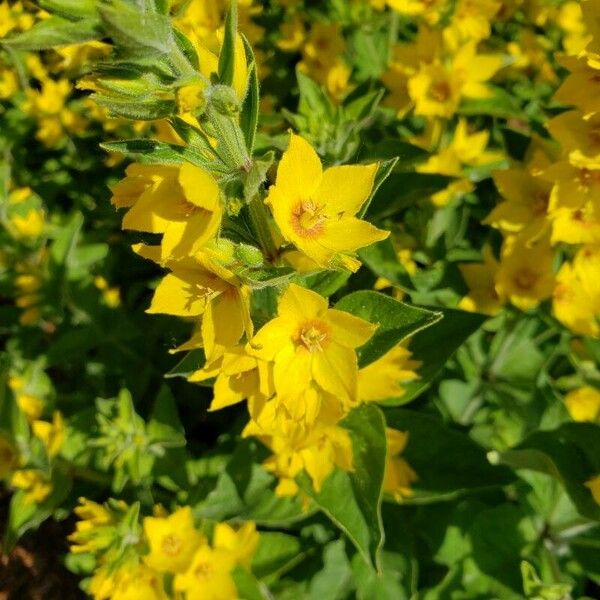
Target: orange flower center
(525,279)
(308,220)
(540,204)
(440,91)
(588,178)
(171,545)
(314,336)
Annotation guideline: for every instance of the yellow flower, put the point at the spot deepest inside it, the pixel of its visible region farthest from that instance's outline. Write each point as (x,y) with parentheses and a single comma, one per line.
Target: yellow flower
(29,226)
(471,21)
(200,286)
(594,486)
(570,20)
(51,434)
(8,456)
(93,531)
(429,9)
(292,35)
(315,209)
(34,483)
(399,476)
(582,87)
(525,206)
(574,203)
(438,87)
(182,202)
(240,543)
(316,448)
(30,404)
(480,278)
(139,583)
(584,404)
(308,342)
(208,576)
(173,540)
(239,376)
(525,274)
(385,378)
(9,83)
(573,304)
(579,137)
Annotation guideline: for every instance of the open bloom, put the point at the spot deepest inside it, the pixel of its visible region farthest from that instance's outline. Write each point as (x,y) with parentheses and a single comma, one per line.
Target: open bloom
(584,404)
(315,209)
(308,342)
(200,286)
(181,202)
(296,446)
(173,541)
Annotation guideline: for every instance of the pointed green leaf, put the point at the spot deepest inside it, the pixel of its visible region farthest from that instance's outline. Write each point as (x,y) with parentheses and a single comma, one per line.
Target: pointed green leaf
(396,321)
(353,500)
(227,56)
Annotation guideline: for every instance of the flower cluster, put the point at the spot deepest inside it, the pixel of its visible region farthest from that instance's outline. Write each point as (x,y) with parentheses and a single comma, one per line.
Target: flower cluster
(162,556)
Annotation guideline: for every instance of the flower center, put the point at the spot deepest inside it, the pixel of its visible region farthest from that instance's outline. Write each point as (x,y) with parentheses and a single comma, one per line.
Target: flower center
(314,335)
(540,204)
(203,570)
(588,178)
(308,220)
(440,91)
(525,279)
(171,545)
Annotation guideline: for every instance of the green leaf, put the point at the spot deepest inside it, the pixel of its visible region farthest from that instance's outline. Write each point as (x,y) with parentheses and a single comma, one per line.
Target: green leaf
(243,490)
(325,283)
(248,587)
(251,105)
(55,32)
(66,241)
(435,345)
(353,500)
(25,515)
(444,459)
(140,32)
(164,425)
(402,190)
(314,101)
(70,9)
(148,109)
(227,55)
(276,552)
(500,104)
(190,363)
(382,259)
(570,454)
(396,321)
(334,581)
(384,170)
(153,152)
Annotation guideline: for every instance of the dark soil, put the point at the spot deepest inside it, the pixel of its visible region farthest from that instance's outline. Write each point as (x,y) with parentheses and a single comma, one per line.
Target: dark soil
(34,569)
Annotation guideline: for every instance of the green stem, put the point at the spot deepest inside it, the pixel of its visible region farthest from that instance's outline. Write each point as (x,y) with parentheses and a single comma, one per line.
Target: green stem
(259,217)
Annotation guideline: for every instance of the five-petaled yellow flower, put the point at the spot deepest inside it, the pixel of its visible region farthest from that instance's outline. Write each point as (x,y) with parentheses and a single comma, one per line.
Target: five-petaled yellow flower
(315,209)
(309,342)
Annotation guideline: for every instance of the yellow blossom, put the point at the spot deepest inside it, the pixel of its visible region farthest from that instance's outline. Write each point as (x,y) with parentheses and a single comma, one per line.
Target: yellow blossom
(208,576)
(593,485)
(51,434)
(579,137)
(582,87)
(524,209)
(584,404)
(241,543)
(239,376)
(385,378)
(525,275)
(438,87)
(200,286)
(181,202)
(93,531)
(315,209)
(480,278)
(399,476)
(173,540)
(309,342)
(30,404)
(471,21)
(139,583)
(29,226)
(317,448)
(37,488)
